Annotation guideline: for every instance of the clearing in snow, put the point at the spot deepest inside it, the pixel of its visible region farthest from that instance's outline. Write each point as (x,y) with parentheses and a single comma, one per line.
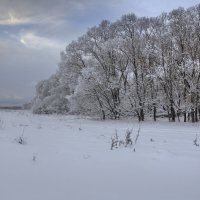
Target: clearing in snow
(70,158)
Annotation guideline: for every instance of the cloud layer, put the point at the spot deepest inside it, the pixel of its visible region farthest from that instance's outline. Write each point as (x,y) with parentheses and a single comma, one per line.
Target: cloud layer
(33,32)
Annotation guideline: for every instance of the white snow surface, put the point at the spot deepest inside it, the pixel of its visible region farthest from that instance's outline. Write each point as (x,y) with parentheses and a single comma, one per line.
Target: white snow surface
(69,158)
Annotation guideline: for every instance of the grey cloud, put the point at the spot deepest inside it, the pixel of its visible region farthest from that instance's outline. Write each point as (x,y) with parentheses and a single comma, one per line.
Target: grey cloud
(47,10)
(22,67)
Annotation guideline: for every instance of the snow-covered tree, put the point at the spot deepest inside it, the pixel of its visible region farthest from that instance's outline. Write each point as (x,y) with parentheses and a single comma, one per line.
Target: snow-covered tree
(133,67)
(51,97)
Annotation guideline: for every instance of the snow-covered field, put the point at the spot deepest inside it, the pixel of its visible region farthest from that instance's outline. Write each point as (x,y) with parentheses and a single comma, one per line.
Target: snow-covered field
(69,158)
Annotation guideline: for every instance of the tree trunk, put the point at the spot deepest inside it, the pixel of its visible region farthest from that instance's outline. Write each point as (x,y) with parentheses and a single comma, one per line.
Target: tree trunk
(103,114)
(141,112)
(101,106)
(178,115)
(193,115)
(154,112)
(185,116)
(188,116)
(199,111)
(196,114)
(173,114)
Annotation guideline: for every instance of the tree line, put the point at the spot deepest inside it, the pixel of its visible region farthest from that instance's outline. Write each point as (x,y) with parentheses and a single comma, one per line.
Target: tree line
(136,66)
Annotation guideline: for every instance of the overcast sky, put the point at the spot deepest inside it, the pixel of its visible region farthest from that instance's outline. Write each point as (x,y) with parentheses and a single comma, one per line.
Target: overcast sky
(33,32)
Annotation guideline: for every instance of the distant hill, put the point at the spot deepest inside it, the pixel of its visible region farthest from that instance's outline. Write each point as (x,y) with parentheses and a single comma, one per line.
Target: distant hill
(11,107)
(26,106)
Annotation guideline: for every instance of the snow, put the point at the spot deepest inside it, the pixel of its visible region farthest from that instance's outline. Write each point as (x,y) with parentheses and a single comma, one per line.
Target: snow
(69,158)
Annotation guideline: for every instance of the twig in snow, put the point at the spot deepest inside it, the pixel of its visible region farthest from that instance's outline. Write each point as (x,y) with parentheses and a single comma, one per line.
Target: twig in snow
(196,141)
(114,141)
(136,138)
(21,139)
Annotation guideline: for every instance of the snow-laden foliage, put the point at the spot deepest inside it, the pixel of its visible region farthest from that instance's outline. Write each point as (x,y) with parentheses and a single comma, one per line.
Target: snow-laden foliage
(51,97)
(132,67)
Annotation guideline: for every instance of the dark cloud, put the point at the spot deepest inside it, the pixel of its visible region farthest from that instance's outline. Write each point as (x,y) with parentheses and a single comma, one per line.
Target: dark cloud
(21,68)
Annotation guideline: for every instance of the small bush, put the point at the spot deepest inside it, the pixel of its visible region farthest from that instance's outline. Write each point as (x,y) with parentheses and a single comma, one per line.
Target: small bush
(2,124)
(20,140)
(116,142)
(128,140)
(34,159)
(196,143)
